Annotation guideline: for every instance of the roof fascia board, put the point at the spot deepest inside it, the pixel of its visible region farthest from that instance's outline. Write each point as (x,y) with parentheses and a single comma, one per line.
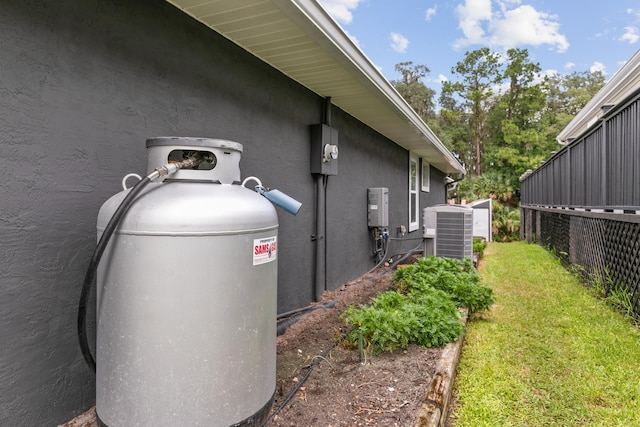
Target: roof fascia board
(331,36)
(623,82)
(392,116)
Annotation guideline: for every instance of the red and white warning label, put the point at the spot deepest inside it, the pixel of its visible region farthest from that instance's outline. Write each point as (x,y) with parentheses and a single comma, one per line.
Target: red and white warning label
(265,250)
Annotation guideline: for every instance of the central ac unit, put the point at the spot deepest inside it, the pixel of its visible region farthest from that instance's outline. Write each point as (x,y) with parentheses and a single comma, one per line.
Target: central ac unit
(450,227)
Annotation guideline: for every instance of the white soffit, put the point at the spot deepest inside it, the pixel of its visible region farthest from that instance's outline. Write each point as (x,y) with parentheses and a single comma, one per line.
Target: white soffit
(301,40)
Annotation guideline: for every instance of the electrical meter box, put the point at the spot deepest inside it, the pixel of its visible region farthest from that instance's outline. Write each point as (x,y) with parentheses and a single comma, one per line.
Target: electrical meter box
(378,207)
(324,150)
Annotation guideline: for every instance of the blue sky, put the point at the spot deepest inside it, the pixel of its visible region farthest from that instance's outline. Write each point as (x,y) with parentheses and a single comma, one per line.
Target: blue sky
(561,35)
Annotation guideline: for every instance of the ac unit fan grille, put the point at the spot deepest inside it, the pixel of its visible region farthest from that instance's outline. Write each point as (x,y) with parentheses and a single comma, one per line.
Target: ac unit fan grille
(454,240)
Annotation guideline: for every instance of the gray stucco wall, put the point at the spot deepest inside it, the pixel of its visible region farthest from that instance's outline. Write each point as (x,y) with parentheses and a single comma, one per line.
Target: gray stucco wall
(367,160)
(83,85)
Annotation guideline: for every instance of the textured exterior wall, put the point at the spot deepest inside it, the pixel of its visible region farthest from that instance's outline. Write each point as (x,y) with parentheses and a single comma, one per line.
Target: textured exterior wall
(83,85)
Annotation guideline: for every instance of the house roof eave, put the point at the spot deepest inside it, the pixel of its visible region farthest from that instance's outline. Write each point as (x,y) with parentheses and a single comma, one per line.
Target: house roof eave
(624,82)
(299,38)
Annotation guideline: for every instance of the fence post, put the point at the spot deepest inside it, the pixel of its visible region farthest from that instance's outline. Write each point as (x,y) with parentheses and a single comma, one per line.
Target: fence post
(573,231)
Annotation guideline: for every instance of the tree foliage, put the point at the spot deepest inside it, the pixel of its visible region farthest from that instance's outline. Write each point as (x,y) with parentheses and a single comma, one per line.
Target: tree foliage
(518,141)
(566,95)
(412,88)
(470,98)
(569,93)
(500,116)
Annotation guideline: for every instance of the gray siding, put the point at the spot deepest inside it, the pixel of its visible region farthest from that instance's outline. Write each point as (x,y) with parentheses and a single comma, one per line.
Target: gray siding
(83,85)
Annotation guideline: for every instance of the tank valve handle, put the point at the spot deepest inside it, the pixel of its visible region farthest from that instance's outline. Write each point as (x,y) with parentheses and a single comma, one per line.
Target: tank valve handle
(276,197)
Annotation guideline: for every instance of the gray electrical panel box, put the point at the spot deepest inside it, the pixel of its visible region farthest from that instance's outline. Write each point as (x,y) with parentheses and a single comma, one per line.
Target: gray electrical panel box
(324,150)
(378,207)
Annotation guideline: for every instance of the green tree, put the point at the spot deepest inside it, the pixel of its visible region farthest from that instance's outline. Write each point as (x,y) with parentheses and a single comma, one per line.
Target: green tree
(524,98)
(502,129)
(452,129)
(470,99)
(518,141)
(566,95)
(569,93)
(412,88)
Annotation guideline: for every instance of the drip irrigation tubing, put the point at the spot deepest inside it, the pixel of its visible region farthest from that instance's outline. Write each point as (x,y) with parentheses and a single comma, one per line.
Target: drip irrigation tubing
(319,358)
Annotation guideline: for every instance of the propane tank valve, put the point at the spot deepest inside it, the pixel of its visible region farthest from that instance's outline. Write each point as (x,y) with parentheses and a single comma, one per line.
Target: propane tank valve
(171,168)
(276,197)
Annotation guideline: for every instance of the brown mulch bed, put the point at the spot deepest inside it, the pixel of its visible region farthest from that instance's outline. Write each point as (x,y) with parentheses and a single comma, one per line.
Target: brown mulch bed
(336,388)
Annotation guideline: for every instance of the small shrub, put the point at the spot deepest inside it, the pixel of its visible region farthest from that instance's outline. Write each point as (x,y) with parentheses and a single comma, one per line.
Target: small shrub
(423,309)
(394,321)
(457,278)
(479,245)
(505,222)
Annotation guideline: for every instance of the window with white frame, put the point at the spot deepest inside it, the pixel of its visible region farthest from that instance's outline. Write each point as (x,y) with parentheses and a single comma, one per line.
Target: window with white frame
(426,176)
(414,200)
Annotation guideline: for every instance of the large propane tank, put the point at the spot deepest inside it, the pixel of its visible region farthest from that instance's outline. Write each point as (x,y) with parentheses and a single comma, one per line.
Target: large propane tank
(186,297)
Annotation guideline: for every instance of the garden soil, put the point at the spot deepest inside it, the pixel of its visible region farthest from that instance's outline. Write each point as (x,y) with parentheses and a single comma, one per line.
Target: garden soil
(322,381)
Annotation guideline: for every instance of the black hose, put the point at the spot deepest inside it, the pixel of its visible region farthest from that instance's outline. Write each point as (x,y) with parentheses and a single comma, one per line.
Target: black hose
(296,311)
(318,359)
(284,324)
(90,276)
(384,258)
(297,315)
(295,389)
(406,256)
(405,239)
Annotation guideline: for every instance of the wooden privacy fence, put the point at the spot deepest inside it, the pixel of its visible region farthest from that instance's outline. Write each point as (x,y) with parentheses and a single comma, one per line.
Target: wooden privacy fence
(584,202)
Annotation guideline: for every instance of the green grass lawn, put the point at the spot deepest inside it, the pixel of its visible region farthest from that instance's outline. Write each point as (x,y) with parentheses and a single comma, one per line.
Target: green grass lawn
(548,353)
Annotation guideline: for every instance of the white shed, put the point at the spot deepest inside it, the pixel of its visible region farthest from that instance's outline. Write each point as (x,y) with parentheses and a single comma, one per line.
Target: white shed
(482,218)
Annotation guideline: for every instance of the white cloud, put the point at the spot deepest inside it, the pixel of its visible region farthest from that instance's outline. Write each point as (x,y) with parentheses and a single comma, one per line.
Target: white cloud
(471,14)
(598,66)
(525,25)
(430,12)
(442,78)
(630,35)
(633,12)
(510,26)
(569,65)
(399,43)
(340,10)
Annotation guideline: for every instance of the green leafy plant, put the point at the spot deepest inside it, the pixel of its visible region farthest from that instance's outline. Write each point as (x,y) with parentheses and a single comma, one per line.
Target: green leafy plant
(393,321)
(602,286)
(479,245)
(506,222)
(622,300)
(459,279)
(423,309)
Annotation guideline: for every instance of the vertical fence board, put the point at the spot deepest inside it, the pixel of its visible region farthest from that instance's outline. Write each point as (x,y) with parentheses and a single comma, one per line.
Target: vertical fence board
(598,172)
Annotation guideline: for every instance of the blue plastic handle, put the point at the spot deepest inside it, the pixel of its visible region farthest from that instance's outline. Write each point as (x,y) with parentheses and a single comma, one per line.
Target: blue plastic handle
(287,203)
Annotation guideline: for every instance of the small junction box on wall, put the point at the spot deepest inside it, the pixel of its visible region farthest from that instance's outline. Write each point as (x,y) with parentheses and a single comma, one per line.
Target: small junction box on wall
(378,207)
